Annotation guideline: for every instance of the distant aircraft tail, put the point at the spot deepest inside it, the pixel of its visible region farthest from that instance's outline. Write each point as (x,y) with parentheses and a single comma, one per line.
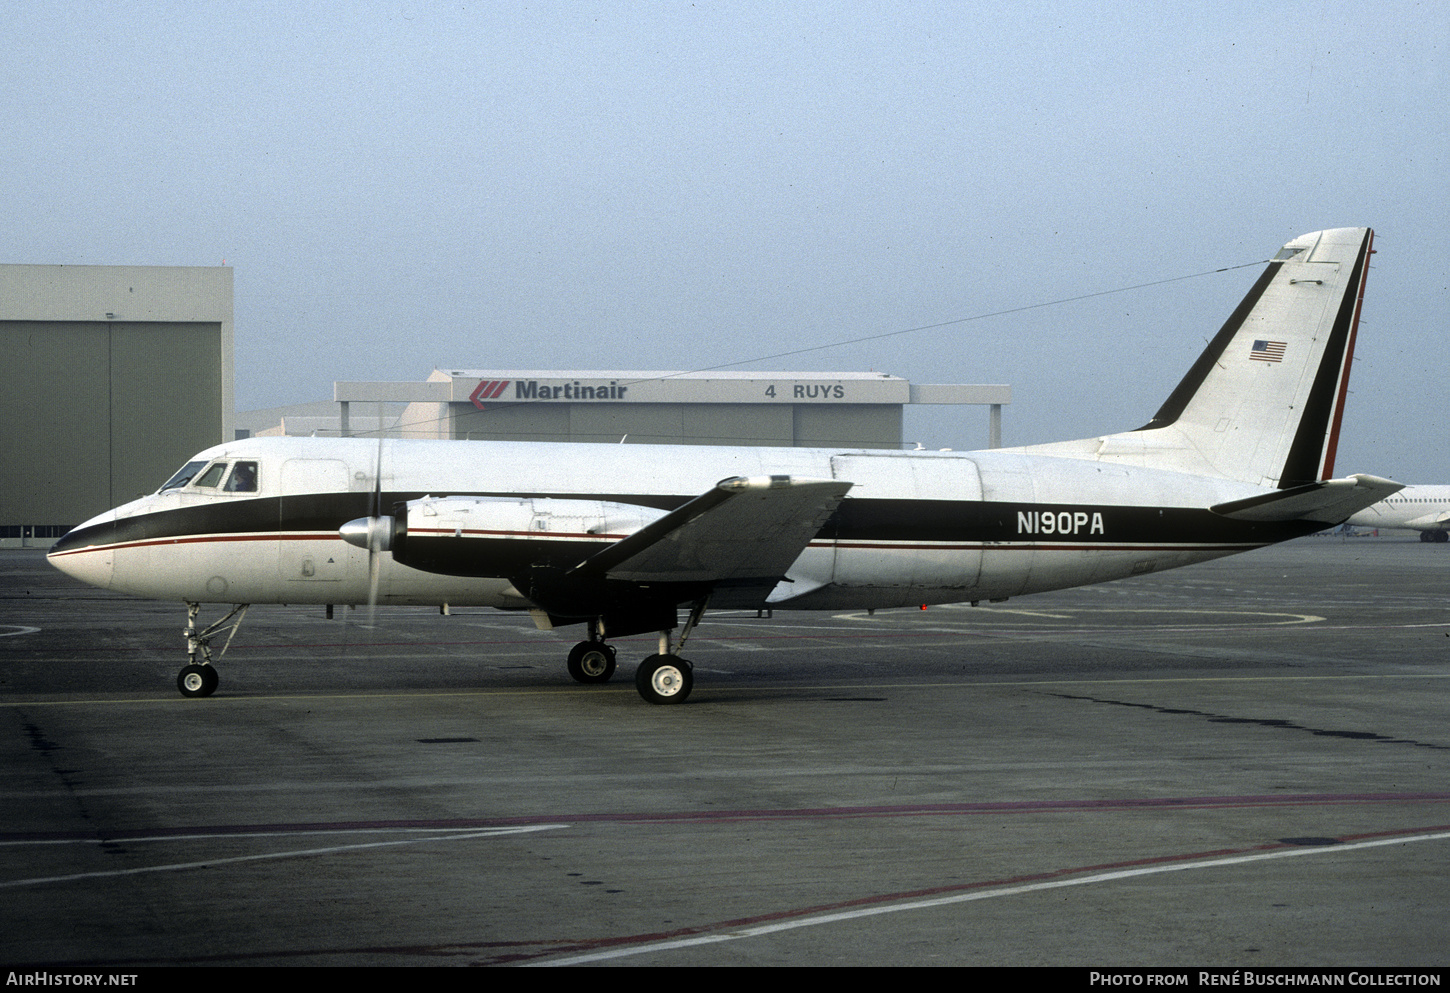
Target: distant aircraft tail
(1263,402)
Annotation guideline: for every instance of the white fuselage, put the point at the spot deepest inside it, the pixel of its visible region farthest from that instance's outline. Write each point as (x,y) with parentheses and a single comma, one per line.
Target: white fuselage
(915,528)
(1421,508)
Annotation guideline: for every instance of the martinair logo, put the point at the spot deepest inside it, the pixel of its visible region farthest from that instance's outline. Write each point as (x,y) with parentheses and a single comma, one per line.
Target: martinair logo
(487,389)
(492,389)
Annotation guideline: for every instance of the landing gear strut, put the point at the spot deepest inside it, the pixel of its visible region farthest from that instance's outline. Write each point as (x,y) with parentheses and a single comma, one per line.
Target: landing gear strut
(200,678)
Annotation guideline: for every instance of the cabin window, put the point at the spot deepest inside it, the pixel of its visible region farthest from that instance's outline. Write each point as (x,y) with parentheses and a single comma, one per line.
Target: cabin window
(243,478)
(213,474)
(183,476)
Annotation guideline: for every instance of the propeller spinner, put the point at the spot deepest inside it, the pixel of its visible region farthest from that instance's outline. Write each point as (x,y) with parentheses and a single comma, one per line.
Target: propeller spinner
(372,533)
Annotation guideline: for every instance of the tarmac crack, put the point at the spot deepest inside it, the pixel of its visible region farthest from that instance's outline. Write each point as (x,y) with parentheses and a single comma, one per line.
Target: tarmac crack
(1213,718)
(70,779)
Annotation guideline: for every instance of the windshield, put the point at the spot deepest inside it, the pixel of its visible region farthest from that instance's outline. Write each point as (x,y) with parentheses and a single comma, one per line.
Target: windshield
(213,474)
(182,477)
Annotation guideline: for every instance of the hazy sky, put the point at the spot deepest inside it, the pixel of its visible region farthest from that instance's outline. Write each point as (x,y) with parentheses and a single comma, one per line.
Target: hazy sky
(401,186)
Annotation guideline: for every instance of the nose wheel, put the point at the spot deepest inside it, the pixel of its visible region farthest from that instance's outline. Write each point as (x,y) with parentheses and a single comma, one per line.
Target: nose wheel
(197,680)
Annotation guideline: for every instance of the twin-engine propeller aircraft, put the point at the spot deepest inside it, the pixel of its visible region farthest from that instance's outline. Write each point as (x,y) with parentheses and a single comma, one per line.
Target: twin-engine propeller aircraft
(1425,509)
(621,538)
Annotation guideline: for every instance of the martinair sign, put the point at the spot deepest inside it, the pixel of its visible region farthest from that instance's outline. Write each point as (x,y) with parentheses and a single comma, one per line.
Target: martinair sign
(664,387)
(530,389)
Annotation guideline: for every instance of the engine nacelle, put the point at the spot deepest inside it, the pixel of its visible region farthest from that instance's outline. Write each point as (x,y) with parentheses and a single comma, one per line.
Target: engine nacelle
(508,536)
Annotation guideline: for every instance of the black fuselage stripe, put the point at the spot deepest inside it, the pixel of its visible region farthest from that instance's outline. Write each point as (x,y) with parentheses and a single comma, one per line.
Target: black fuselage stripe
(862,520)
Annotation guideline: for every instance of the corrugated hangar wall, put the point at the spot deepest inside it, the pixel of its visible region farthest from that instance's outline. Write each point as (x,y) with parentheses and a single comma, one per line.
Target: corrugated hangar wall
(641,407)
(804,409)
(858,426)
(113,376)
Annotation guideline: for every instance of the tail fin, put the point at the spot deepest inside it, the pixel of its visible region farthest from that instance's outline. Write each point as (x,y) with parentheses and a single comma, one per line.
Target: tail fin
(1263,402)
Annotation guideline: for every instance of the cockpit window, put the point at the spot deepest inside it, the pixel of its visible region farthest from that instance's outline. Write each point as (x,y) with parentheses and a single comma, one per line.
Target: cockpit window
(182,477)
(243,478)
(213,474)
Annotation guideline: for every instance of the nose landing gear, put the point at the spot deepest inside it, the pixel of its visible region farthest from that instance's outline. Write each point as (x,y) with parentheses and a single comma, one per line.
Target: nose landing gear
(200,678)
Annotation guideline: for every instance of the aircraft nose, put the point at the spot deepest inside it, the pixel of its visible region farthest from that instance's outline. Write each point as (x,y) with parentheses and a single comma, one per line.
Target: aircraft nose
(93,564)
(86,552)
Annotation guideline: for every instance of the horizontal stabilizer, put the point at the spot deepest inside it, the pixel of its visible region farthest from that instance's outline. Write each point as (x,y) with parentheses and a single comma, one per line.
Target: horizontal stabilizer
(1330,501)
(743,529)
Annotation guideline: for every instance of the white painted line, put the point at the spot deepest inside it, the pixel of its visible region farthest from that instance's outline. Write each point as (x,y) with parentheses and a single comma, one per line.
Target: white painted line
(19,629)
(332,850)
(1006,610)
(218,836)
(1102,877)
(1086,615)
(738,646)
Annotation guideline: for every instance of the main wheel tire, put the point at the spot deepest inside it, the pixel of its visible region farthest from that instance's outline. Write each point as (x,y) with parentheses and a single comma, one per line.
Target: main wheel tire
(197,680)
(664,679)
(591,662)
(1442,536)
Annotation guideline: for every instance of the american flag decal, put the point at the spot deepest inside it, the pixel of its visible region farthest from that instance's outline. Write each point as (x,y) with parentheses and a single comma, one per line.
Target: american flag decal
(1268,351)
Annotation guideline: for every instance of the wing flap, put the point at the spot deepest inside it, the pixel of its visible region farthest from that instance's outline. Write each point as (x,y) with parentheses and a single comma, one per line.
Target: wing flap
(743,529)
(1330,501)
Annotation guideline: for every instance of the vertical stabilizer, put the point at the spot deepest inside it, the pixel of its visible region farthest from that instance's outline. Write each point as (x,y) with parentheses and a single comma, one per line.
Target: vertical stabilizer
(1263,402)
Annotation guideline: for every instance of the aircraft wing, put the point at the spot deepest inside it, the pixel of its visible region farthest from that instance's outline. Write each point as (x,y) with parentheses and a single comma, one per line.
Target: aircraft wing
(742,529)
(1331,501)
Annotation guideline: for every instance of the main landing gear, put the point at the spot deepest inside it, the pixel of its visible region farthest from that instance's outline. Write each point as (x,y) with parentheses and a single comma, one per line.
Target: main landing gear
(200,678)
(591,662)
(661,678)
(664,678)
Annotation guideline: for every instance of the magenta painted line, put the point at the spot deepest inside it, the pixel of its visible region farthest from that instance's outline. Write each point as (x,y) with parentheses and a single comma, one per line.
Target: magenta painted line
(761,814)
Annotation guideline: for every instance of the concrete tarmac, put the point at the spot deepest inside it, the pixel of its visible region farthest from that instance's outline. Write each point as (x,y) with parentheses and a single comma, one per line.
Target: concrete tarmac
(1241,764)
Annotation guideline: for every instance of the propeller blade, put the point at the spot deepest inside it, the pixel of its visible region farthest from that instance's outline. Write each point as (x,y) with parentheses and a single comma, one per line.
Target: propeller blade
(376,537)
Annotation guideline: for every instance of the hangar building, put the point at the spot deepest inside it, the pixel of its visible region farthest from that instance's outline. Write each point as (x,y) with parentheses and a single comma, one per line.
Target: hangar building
(113,376)
(794,409)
